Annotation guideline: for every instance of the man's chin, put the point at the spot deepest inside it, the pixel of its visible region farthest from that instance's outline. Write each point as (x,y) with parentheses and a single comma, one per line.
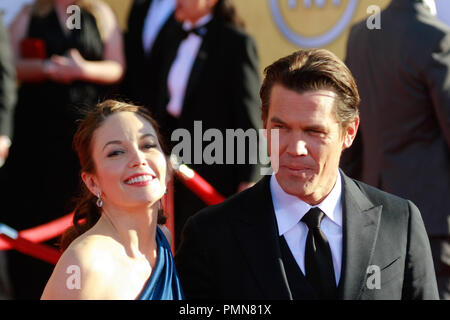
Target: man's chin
(296,188)
(295,178)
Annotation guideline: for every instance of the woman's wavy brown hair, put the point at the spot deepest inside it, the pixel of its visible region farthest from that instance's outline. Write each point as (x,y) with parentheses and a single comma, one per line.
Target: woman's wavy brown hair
(86,212)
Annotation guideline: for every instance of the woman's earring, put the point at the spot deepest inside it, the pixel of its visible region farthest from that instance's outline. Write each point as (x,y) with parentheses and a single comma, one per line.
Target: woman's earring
(160,209)
(99,200)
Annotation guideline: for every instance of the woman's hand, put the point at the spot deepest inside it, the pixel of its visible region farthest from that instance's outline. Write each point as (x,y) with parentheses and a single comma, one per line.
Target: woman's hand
(65,69)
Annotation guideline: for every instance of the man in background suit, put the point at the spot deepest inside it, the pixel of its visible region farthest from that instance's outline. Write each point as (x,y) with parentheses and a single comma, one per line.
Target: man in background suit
(7,104)
(308,231)
(207,77)
(404,143)
(149,23)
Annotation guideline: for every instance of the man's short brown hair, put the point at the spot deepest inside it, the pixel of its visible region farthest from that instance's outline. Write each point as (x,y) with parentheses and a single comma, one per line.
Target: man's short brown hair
(313,69)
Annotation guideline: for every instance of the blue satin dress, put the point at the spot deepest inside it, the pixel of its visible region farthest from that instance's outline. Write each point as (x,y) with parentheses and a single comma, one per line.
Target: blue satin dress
(164,283)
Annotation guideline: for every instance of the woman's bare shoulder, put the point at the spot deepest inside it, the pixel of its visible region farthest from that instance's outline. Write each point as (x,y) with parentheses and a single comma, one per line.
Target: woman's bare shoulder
(85,270)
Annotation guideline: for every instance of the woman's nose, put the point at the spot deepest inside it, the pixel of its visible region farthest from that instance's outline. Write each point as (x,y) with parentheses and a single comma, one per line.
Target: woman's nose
(137,159)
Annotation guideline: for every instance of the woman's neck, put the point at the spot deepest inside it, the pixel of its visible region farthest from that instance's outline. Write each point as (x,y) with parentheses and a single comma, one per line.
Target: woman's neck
(134,229)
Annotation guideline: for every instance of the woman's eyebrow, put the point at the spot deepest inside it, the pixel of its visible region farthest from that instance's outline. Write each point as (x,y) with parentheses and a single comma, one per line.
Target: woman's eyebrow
(145,135)
(111,142)
(148,135)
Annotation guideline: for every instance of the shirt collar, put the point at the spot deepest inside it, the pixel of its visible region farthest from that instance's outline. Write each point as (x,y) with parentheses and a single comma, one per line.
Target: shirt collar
(289,209)
(187,25)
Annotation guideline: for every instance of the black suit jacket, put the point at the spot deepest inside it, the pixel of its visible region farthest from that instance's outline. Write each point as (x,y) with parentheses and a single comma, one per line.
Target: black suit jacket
(222,91)
(231,250)
(8,93)
(403,145)
(142,68)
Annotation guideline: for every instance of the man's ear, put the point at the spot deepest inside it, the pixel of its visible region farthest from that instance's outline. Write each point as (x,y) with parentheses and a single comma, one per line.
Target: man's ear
(350,133)
(91,183)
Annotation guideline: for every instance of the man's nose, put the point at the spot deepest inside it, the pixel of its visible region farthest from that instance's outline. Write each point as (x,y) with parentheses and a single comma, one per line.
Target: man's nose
(297,146)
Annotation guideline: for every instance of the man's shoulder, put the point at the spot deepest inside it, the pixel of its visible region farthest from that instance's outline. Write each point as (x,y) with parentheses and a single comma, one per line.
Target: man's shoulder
(234,206)
(378,197)
(235,36)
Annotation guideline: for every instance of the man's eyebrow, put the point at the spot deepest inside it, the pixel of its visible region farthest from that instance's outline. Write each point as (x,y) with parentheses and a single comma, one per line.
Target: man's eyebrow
(316,127)
(278,120)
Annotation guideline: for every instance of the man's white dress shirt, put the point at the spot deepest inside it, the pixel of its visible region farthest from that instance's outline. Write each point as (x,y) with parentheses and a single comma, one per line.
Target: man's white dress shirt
(289,210)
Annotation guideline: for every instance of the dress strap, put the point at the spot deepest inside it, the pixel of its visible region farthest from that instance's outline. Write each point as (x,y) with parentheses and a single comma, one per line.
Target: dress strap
(164,283)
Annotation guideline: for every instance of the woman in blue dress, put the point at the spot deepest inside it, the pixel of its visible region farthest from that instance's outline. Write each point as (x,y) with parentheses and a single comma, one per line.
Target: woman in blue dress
(118,248)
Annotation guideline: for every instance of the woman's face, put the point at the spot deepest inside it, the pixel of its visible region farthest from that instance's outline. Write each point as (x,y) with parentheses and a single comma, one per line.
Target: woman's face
(130,166)
(192,10)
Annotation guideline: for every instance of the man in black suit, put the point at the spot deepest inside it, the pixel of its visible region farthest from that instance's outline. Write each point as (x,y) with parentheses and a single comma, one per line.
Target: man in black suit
(149,23)
(308,231)
(208,79)
(7,104)
(404,142)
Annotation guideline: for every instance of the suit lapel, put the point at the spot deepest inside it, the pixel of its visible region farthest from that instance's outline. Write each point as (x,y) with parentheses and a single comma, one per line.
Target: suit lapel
(257,233)
(360,229)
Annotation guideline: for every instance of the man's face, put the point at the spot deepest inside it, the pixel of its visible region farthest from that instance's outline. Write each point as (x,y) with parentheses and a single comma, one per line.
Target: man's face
(310,141)
(193,10)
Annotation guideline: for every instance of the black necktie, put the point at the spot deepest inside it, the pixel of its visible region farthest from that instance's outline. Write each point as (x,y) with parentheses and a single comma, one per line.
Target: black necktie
(318,260)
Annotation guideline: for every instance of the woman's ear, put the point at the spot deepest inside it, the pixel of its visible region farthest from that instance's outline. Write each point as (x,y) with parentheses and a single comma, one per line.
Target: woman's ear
(91,183)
